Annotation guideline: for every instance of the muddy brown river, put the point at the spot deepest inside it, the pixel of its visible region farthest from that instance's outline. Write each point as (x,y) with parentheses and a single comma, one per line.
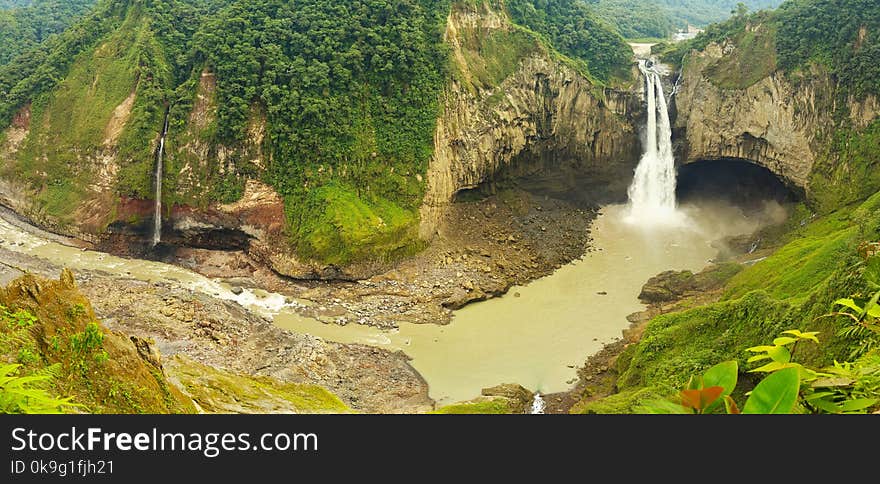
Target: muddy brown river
(536,335)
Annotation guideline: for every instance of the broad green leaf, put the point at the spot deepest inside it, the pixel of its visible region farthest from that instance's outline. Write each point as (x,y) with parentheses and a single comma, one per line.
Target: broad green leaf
(857,404)
(755,358)
(818,395)
(874,311)
(825,405)
(808,375)
(776,394)
(848,303)
(784,340)
(723,375)
(780,354)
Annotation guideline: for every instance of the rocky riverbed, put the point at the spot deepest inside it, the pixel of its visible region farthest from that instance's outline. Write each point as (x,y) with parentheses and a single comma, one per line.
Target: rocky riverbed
(481,249)
(223,334)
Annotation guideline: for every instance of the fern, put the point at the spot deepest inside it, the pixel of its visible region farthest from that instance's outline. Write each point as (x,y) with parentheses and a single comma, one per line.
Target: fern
(23,394)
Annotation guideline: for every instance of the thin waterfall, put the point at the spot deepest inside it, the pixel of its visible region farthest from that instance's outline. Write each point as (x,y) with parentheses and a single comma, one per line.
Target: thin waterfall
(538,405)
(652,193)
(157,216)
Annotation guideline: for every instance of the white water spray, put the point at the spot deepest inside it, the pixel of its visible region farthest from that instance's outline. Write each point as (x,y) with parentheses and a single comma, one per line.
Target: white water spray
(157,216)
(652,193)
(538,405)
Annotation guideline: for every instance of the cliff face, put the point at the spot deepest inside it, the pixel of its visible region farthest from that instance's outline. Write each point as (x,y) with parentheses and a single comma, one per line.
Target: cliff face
(540,117)
(512,108)
(782,122)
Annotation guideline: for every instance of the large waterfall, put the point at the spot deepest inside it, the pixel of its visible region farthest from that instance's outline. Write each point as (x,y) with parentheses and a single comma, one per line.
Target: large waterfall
(157,217)
(652,193)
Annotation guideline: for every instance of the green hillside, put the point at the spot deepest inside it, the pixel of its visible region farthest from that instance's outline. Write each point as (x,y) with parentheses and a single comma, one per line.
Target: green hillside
(24,25)
(345,96)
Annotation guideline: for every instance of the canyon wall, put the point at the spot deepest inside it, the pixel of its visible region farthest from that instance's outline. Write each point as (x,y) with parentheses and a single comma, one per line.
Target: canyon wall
(543,117)
(782,121)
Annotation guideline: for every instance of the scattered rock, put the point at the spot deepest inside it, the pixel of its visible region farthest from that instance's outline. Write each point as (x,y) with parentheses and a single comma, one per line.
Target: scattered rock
(519,399)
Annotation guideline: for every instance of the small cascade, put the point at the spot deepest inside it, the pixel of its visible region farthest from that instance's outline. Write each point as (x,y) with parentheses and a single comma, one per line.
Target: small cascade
(538,405)
(677,86)
(157,216)
(652,193)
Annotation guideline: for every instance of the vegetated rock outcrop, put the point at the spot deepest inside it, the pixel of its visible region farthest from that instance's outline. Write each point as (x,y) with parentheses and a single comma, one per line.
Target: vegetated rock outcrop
(507,398)
(735,102)
(102,371)
(50,329)
(671,286)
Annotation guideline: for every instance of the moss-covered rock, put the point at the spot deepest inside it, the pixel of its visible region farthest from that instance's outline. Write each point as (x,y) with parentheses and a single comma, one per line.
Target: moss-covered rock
(508,398)
(480,405)
(218,391)
(49,323)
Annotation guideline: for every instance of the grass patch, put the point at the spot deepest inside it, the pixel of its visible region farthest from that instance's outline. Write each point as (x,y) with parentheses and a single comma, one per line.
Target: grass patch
(491,58)
(337,226)
(753,59)
(624,402)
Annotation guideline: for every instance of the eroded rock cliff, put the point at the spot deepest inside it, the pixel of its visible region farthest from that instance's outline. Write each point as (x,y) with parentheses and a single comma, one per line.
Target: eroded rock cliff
(781,121)
(540,116)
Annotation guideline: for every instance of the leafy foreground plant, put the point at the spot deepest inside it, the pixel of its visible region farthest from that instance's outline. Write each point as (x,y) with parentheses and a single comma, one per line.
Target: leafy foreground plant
(788,388)
(22,394)
(863,315)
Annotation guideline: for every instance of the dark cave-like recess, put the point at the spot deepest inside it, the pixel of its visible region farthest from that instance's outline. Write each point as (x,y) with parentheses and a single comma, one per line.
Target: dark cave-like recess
(736,181)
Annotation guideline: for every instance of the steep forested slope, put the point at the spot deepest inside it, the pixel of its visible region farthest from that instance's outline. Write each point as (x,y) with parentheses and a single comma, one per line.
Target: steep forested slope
(660,18)
(26,25)
(332,105)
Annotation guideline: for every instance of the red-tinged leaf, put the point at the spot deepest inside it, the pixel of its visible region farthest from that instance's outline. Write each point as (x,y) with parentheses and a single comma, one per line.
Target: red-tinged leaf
(708,396)
(730,405)
(690,399)
(701,399)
